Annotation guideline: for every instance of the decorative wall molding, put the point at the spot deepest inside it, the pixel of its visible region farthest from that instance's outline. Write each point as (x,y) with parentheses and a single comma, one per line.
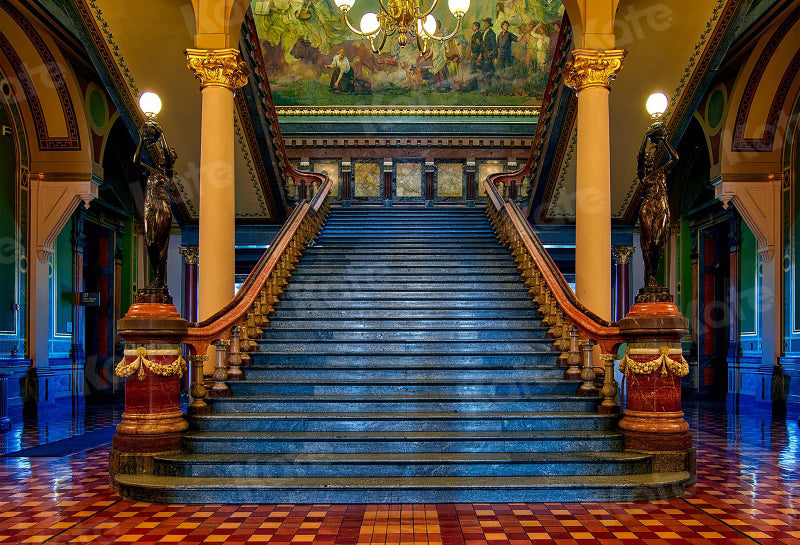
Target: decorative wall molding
(757,199)
(56,196)
(394,142)
(351,111)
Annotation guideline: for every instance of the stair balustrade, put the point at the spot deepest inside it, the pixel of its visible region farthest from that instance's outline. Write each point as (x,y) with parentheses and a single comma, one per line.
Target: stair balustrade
(235,328)
(571,325)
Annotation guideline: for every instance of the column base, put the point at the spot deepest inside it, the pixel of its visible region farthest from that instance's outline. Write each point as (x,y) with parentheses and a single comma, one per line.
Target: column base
(655,431)
(133,454)
(673,460)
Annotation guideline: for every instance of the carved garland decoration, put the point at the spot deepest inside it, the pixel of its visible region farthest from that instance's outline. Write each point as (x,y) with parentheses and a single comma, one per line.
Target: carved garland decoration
(678,367)
(137,366)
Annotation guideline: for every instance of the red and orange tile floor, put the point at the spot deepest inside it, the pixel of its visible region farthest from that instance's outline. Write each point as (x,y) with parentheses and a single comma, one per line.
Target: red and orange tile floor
(748,491)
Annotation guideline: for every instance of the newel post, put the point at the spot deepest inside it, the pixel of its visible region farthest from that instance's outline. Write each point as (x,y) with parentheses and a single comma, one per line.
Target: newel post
(653,365)
(153,367)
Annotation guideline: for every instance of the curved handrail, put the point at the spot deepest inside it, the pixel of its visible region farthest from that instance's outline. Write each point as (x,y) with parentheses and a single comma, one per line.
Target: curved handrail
(216,325)
(588,323)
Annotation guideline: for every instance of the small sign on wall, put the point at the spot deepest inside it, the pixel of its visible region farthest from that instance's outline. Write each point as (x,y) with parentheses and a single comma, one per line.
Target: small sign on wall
(90,299)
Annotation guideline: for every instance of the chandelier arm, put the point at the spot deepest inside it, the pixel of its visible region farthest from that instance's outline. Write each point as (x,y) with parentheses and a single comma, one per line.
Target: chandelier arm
(383,7)
(354,29)
(380,47)
(433,6)
(445,38)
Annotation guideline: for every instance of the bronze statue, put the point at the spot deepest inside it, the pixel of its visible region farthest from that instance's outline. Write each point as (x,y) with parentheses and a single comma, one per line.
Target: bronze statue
(157,212)
(654,220)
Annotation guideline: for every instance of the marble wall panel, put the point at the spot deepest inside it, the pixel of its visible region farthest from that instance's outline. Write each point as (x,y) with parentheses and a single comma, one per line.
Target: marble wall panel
(331,169)
(486,168)
(449,180)
(409,179)
(367,178)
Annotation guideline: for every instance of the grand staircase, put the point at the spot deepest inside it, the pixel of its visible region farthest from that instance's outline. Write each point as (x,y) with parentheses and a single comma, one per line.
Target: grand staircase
(405,363)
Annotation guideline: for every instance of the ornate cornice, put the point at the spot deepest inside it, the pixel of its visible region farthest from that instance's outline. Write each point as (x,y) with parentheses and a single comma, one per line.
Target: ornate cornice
(217,67)
(593,68)
(352,111)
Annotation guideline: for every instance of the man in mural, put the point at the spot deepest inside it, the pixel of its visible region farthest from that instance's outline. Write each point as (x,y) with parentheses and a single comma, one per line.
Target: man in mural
(342,74)
(475,49)
(488,54)
(504,40)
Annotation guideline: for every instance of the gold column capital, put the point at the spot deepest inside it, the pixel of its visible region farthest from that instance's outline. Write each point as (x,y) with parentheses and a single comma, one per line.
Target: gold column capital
(593,68)
(622,254)
(189,254)
(217,67)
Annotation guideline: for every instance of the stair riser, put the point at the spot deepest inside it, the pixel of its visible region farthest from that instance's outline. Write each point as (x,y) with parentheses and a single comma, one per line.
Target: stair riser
(278,324)
(286,312)
(247,446)
(387,348)
(392,306)
(222,405)
(401,336)
(378,292)
(312,271)
(404,361)
(221,423)
(246,388)
(401,374)
(472,469)
(382,494)
(452,277)
(464,253)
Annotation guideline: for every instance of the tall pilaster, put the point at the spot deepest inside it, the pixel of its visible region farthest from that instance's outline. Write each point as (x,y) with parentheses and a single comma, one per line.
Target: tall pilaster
(220,73)
(590,73)
(622,259)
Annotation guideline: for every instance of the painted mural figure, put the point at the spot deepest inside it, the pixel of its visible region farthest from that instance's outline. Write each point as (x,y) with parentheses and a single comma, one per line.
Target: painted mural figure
(342,75)
(654,215)
(504,40)
(488,53)
(157,211)
(475,49)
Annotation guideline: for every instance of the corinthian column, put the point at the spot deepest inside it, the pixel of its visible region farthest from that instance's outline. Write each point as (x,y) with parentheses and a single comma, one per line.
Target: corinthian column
(590,73)
(220,72)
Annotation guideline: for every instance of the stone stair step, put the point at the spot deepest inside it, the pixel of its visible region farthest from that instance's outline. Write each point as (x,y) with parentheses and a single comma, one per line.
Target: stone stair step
(471,403)
(344,387)
(244,490)
(544,360)
(401,335)
(422,464)
(400,441)
(482,346)
(405,324)
(506,304)
(487,312)
(291,370)
(404,421)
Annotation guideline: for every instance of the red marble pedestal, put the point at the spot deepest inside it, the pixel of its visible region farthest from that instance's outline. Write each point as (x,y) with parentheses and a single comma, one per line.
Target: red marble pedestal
(153,422)
(653,421)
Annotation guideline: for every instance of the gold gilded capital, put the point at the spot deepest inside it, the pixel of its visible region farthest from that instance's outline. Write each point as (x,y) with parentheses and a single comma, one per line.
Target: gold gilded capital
(217,67)
(593,68)
(622,254)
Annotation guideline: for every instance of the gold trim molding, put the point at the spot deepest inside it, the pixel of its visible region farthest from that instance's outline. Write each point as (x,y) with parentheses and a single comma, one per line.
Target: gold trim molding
(352,111)
(593,68)
(217,67)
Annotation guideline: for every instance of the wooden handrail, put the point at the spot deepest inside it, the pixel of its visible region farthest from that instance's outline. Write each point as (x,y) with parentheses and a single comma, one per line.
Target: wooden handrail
(591,326)
(218,325)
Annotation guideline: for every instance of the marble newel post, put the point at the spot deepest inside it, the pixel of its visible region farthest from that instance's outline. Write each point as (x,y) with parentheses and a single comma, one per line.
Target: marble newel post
(590,73)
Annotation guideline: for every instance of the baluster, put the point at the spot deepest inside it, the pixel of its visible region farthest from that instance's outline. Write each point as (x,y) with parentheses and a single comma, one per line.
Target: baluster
(235,357)
(587,387)
(573,371)
(198,390)
(610,388)
(219,388)
(246,345)
(563,343)
(555,329)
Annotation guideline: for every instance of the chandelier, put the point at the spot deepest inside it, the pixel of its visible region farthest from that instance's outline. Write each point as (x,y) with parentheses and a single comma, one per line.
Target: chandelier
(405,18)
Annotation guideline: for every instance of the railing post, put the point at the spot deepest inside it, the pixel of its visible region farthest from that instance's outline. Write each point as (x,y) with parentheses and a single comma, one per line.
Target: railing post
(220,388)
(573,371)
(653,366)
(587,387)
(609,389)
(235,358)
(198,391)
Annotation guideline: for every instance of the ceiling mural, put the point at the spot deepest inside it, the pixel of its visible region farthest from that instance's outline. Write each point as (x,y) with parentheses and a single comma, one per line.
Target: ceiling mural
(314,60)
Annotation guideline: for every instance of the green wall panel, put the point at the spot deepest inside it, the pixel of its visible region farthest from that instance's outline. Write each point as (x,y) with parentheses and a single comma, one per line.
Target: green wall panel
(8,238)
(62,264)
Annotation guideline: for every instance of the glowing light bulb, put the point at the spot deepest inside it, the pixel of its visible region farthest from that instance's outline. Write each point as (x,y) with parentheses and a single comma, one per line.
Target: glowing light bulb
(656,104)
(458,7)
(344,5)
(150,103)
(370,23)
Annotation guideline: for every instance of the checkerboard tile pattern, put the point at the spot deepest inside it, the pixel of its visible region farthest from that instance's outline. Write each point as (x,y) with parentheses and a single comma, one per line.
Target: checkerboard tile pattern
(748,492)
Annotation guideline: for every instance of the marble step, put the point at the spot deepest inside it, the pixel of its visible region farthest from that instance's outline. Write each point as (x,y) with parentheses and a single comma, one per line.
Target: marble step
(407,403)
(476,347)
(245,490)
(404,335)
(484,311)
(399,387)
(444,278)
(399,441)
(403,421)
(430,464)
(469,308)
(544,360)
(289,369)
(404,324)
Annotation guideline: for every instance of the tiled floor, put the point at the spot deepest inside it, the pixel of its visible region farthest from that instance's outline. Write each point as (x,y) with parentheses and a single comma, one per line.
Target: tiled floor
(748,491)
